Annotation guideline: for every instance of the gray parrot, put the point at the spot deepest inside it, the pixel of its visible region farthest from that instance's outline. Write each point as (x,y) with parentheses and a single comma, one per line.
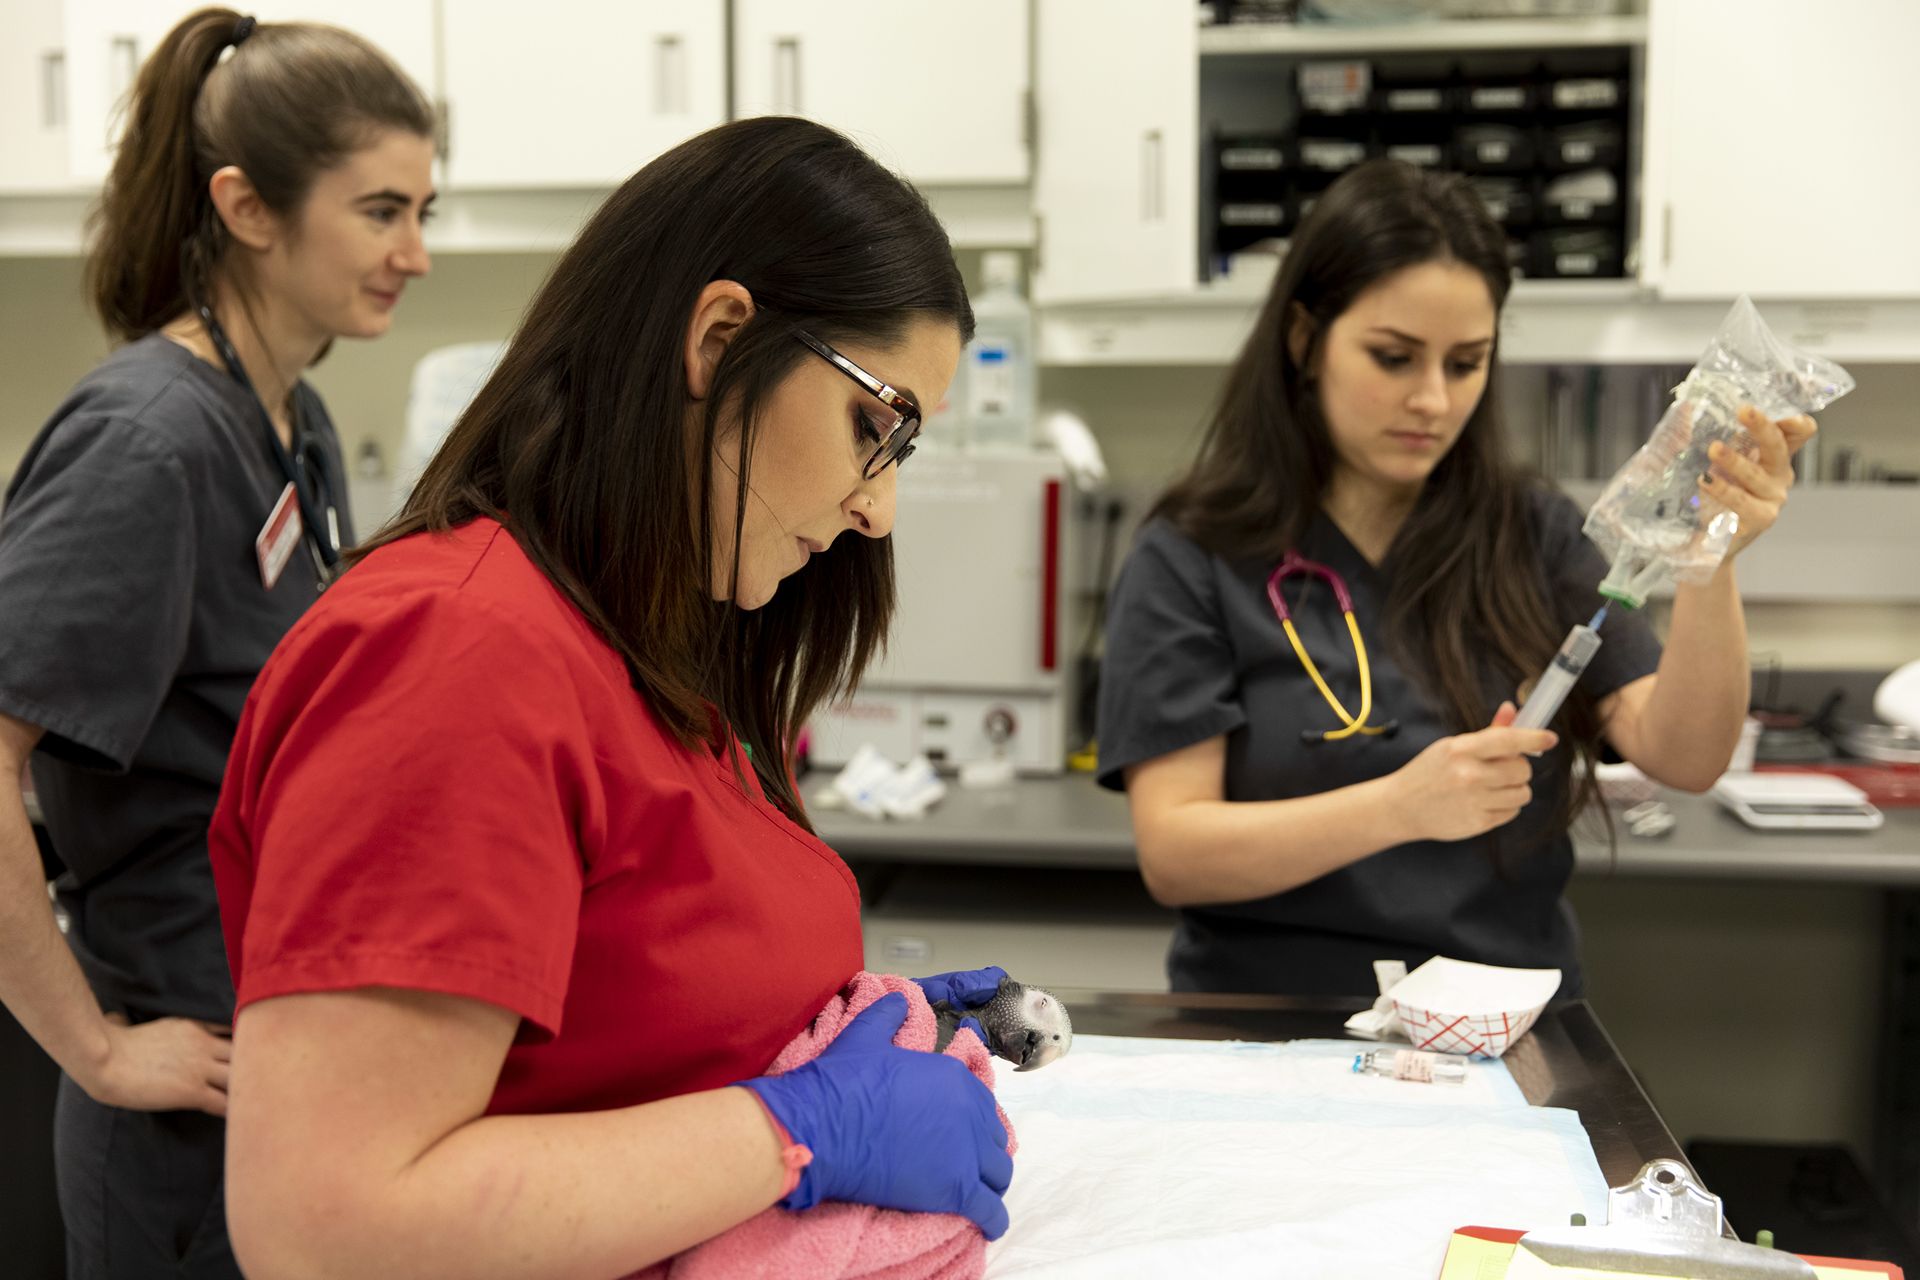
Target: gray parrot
(1025,1025)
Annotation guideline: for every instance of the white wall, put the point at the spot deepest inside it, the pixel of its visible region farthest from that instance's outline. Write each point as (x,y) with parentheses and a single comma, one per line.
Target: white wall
(48,338)
(1148,419)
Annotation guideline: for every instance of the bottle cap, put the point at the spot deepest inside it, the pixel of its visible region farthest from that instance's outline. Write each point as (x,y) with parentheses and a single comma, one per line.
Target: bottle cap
(1001,269)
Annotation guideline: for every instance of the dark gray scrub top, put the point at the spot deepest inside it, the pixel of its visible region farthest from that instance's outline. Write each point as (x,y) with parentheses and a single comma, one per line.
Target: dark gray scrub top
(1194,651)
(132,624)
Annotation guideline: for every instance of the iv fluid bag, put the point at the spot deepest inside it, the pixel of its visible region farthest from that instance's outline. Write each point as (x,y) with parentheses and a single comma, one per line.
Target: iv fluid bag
(1653,519)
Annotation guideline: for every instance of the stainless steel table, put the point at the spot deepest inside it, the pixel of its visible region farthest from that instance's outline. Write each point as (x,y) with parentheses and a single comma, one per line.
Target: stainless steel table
(1070,823)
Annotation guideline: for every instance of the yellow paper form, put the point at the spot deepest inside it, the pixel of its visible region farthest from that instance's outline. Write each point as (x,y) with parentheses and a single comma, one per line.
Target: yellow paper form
(1471,1257)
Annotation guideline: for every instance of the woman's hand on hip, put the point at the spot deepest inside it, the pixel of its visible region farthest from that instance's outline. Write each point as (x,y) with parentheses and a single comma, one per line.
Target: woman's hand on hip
(169,1064)
(1756,488)
(1470,783)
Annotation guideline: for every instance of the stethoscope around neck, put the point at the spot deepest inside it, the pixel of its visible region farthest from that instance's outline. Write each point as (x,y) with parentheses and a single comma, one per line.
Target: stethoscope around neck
(319,515)
(1292,564)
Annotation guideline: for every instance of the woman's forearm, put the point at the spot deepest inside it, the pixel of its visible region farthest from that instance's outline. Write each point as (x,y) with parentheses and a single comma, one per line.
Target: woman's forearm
(40,982)
(1207,851)
(583,1195)
(1692,720)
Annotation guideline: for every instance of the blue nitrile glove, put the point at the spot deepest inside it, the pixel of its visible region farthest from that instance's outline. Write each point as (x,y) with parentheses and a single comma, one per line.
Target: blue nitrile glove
(964,987)
(893,1127)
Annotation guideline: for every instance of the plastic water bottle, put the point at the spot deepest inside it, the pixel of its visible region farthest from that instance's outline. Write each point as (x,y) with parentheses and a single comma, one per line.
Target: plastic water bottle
(998,381)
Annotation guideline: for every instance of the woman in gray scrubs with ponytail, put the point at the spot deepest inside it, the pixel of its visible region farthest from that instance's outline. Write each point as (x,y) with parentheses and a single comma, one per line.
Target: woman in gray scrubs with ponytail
(169,523)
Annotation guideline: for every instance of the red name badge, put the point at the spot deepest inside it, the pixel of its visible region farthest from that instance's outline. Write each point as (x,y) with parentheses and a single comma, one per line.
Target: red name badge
(275,543)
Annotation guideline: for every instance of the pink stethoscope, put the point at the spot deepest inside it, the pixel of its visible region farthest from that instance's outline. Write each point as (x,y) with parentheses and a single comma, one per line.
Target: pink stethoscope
(1291,564)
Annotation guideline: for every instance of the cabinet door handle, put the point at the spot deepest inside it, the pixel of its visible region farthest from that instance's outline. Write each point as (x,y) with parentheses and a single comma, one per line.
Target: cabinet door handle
(669,76)
(1152,176)
(1050,576)
(786,76)
(123,64)
(53,89)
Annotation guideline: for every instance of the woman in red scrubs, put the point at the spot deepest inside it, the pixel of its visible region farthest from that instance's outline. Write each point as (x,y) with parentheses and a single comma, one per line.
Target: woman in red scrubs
(514,874)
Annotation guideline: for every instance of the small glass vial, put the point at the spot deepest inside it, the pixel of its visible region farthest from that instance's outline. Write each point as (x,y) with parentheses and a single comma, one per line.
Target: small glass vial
(1411,1064)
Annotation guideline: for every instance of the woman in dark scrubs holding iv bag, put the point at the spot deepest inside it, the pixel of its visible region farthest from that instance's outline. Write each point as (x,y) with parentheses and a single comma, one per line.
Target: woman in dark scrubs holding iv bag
(1315,647)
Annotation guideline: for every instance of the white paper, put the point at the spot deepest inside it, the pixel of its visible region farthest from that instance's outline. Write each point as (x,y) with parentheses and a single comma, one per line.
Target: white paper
(1153,1158)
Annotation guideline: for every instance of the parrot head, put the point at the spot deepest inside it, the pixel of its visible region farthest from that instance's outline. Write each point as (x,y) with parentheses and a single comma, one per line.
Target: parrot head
(1028,1026)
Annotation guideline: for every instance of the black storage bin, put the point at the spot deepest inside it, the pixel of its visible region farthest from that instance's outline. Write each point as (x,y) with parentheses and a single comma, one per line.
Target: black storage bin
(1434,154)
(1241,224)
(1328,155)
(1590,144)
(1419,143)
(1585,93)
(1494,84)
(1252,167)
(1435,100)
(1498,97)
(1414,88)
(1557,205)
(1576,253)
(1299,205)
(1334,87)
(1509,200)
(1494,148)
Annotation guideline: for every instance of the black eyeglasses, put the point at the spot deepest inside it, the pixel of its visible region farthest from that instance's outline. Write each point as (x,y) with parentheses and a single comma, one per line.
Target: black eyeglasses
(896,443)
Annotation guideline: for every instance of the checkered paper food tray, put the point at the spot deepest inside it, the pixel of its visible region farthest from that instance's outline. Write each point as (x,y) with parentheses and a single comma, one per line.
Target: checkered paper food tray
(1485,1035)
(1455,1006)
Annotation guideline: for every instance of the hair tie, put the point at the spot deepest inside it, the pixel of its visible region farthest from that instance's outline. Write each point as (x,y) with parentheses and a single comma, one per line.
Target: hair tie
(241,30)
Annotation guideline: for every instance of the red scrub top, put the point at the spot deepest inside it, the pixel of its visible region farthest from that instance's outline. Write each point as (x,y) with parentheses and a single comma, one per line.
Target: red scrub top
(445,781)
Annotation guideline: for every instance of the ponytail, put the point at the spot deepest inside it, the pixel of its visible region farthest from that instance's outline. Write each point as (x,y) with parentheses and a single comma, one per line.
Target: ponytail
(294,100)
(155,212)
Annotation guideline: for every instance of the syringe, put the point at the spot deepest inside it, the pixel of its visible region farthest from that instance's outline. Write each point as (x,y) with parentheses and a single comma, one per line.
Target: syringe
(1551,689)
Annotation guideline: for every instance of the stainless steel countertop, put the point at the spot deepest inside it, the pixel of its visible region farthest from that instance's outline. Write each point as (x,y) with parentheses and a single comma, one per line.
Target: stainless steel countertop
(1070,822)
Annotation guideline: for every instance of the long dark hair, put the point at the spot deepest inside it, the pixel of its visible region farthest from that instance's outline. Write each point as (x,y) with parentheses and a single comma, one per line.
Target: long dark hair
(295,99)
(575,443)
(1466,575)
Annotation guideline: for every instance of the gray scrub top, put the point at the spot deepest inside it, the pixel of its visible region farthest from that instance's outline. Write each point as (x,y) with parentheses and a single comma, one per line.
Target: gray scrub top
(132,624)
(1194,651)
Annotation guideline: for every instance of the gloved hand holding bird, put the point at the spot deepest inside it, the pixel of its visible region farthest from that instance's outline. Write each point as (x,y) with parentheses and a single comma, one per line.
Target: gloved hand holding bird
(1026,1025)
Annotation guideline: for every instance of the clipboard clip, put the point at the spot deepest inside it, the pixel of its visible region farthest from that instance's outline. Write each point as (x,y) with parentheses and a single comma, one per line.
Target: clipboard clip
(1662,1223)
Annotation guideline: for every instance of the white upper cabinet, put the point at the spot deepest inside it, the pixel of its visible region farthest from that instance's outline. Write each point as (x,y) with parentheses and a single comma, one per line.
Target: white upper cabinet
(106,41)
(1117,175)
(402,28)
(577,93)
(1780,149)
(33,97)
(102,44)
(937,92)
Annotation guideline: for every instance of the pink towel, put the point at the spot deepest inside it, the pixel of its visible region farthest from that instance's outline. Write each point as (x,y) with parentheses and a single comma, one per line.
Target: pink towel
(836,1239)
